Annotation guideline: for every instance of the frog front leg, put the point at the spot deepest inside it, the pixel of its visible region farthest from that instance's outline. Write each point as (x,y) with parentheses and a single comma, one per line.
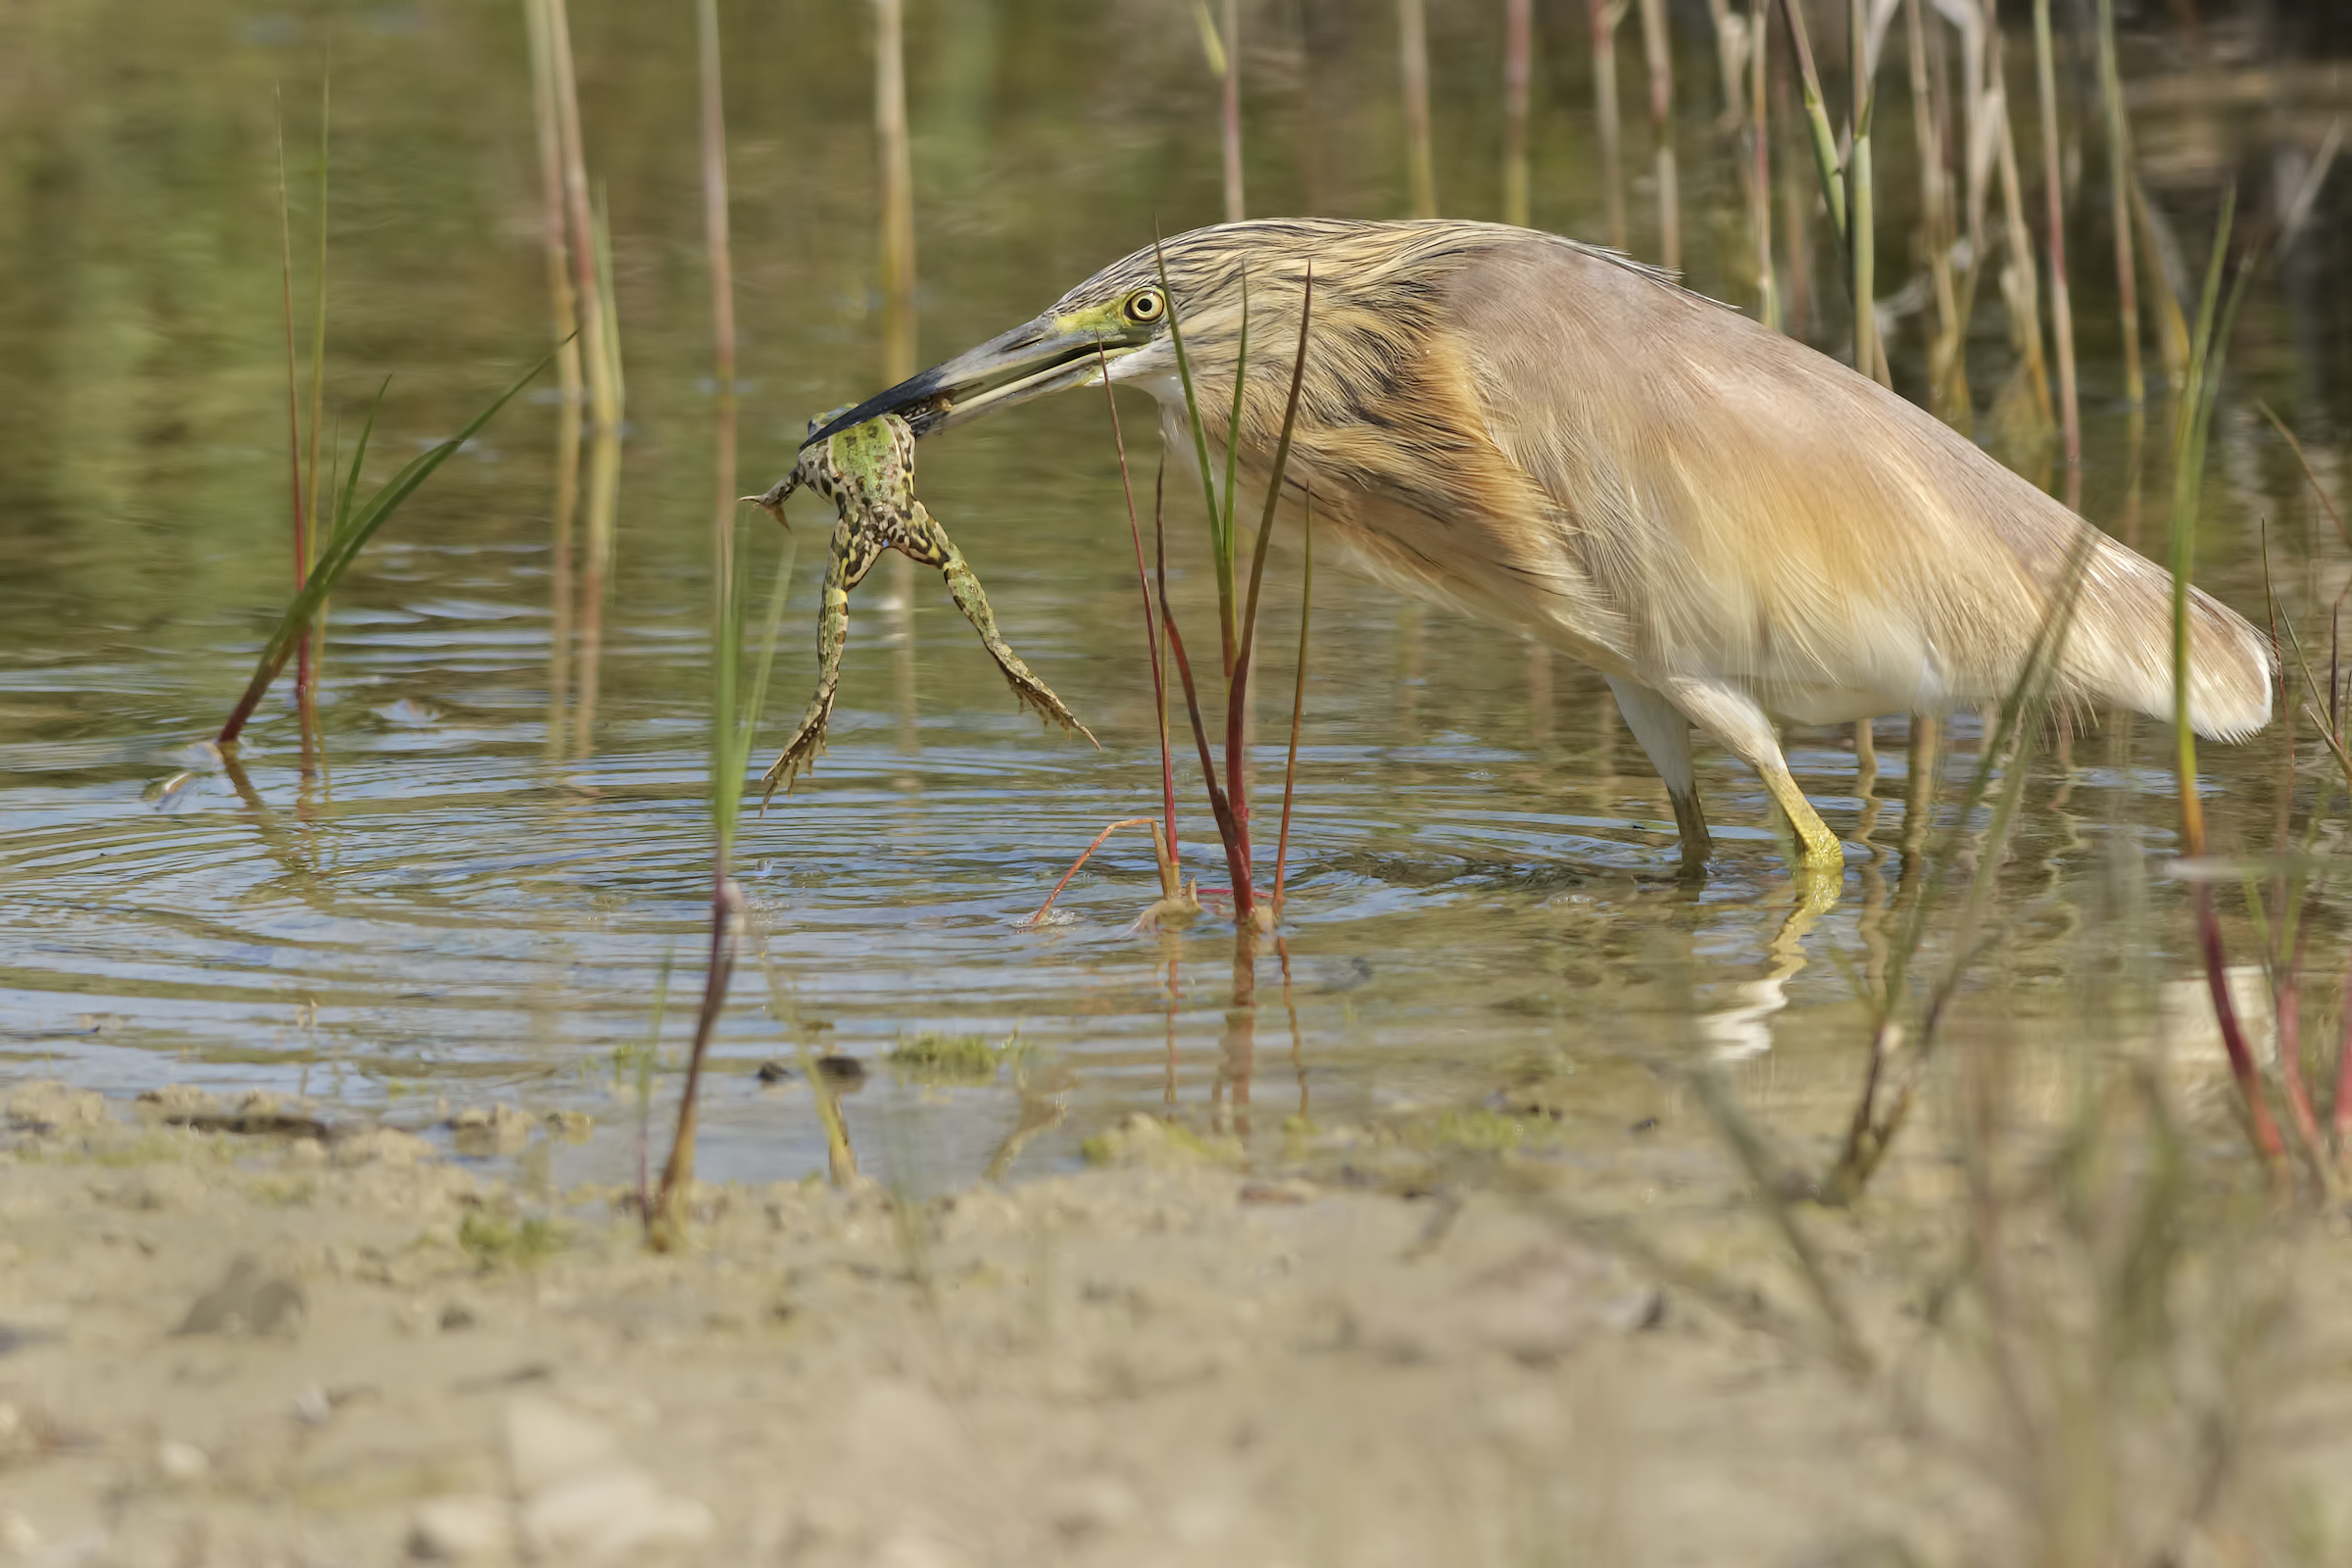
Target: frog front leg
(924,540)
(853,552)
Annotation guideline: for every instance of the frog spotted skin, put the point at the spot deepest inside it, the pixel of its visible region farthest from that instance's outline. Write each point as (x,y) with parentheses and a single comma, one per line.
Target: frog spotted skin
(867,473)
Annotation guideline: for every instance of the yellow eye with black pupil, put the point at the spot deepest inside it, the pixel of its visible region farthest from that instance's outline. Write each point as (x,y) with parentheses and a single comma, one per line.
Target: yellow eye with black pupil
(1148,306)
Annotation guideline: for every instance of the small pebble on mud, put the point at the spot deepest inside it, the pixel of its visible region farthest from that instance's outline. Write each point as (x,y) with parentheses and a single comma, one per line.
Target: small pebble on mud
(246,1301)
(183,1463)
(480,1131)
(464,1527)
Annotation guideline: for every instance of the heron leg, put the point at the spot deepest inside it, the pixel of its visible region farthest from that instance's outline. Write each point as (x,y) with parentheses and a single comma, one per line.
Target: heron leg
(1733,717)
(1665,735)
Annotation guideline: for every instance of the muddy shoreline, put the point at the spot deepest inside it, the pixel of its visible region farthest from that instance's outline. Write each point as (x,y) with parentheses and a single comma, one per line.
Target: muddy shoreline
(224,1347)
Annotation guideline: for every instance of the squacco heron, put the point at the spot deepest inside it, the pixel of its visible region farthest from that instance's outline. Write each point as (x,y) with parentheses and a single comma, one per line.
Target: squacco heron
(1730,527)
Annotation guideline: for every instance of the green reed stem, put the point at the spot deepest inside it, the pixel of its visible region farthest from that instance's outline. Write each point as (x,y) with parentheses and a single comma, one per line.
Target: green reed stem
(1817,121)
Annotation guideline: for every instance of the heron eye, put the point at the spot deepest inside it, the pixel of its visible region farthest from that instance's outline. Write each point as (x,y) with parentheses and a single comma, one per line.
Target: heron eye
(1148,305)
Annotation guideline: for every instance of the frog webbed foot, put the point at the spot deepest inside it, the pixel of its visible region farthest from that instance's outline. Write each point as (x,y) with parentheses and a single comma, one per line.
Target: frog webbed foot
(934,548)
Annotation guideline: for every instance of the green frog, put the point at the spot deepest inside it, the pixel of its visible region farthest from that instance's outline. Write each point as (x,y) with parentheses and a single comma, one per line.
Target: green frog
(867,473)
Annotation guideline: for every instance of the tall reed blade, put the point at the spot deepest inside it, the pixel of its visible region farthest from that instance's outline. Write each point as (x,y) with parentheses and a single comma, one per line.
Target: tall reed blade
(2062,314)
(1861,203)
(295,485)
(321,483)
(563,302)
(2119,182)
(1230,121)
(1518,43)
(1413,50)
(1824,138)
(1657,51)
(1759,179)
(1605,15)
(897,190)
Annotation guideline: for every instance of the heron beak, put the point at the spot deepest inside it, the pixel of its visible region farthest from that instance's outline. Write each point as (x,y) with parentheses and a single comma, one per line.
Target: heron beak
(1032,359)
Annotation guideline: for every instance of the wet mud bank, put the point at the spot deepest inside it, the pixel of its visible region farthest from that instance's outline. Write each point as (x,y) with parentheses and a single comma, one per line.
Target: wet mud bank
(249,1344)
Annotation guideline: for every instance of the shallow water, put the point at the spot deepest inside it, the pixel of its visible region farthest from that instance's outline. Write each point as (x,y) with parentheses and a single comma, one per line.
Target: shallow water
(437,905)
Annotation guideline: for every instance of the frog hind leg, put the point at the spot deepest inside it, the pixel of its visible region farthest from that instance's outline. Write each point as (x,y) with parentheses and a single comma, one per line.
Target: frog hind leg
(928,542)
(854,552)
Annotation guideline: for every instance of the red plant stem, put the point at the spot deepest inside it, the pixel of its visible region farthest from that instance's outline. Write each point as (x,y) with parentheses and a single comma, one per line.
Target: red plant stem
(1172,875)
(2224,1010)
(726,924)
(2286,1006)
(1237,690)
(1083,857)
(1245,896)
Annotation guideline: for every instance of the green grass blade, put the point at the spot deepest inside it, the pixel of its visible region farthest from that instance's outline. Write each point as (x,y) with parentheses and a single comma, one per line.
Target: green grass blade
(344,548)
(359,460)
(1228,544)
(1192,397)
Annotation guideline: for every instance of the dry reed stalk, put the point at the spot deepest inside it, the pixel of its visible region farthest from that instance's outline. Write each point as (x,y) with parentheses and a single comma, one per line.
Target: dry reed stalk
(2119,163)
(2062,313)
(603,486)
(321,481)
(1413,53)
(2019,285)
(1518,43)
(1231,119)
(1796,225)
(565,309)
(1759,184)
(1606,14)
(720,249)
(1947,374)
(600,355)
(1869,356)
(596,353)
(893,150)
(897,172)
(294,478)
(1731,60)
(1657,53)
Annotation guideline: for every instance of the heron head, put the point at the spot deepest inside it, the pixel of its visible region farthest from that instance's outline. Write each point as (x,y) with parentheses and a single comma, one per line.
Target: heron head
(1116,324)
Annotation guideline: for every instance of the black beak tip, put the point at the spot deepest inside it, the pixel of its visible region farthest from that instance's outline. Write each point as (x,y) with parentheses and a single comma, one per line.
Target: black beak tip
(918,400)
